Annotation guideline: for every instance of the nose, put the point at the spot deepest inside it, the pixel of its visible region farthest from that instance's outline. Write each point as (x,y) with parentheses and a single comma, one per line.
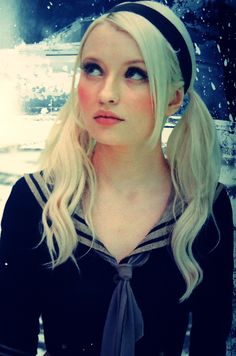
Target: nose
(109,92)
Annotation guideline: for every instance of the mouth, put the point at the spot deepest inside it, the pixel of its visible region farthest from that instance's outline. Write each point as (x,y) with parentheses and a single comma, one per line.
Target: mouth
(107,118)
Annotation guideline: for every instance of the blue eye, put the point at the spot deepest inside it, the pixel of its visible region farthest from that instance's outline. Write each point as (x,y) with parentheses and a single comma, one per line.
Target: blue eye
(92,69)
(136,73)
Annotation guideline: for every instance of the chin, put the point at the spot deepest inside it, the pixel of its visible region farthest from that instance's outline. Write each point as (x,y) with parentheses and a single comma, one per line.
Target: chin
(107,139)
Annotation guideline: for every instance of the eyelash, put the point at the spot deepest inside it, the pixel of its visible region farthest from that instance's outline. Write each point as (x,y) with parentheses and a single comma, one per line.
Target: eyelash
(136,70)
(89,68)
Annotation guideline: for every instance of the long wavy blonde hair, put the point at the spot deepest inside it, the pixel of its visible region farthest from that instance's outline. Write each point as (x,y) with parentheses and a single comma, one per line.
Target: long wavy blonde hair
(192,150)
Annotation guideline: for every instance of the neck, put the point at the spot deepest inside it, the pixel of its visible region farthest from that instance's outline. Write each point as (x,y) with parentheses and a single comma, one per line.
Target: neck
(129,168)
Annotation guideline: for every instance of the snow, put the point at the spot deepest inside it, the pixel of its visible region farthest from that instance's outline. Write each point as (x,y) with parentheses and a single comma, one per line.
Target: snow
(197,49)
(213,86)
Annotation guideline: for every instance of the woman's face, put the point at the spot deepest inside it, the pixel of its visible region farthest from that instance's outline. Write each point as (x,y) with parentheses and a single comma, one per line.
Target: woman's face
(113,89)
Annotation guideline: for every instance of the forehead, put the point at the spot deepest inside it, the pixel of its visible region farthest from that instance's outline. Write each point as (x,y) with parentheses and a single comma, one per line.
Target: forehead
(108,39)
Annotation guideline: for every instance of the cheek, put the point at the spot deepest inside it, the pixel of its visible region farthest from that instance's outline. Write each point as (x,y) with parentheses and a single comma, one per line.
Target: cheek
(145,104)
(84,95)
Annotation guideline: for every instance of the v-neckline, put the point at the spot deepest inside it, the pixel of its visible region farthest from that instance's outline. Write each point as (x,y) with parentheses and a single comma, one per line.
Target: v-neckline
(158,236)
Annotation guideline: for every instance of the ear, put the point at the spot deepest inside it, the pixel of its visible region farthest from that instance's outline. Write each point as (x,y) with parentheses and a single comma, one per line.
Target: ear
(175,102)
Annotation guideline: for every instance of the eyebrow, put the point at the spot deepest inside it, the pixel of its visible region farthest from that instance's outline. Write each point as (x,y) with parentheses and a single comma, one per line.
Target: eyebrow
(135,61)
(97,60)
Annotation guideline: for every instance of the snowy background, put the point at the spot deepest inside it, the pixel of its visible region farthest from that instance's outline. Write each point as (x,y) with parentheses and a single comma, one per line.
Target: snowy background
(38,45)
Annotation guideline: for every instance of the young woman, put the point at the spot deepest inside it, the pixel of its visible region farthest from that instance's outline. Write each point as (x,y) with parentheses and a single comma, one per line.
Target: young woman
(113,242)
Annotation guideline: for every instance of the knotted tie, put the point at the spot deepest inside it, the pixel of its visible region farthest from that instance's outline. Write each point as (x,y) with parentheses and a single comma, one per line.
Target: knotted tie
(124,321)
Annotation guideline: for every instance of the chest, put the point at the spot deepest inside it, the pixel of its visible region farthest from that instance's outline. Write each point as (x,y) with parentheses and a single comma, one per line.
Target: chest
(156,287)
(122,227)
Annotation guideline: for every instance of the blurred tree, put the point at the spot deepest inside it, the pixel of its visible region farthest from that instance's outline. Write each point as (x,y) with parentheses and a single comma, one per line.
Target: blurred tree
(44,17)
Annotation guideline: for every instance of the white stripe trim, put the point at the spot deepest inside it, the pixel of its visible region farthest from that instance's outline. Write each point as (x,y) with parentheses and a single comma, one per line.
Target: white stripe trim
(10,349)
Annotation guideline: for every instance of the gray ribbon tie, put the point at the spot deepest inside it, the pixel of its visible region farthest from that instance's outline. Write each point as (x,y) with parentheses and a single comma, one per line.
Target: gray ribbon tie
(124,321)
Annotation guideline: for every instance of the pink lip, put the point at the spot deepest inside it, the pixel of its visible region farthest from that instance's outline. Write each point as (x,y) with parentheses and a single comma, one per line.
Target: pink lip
(107,118)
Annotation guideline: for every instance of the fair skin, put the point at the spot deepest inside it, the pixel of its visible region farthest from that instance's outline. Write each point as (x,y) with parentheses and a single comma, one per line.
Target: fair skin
(134,181)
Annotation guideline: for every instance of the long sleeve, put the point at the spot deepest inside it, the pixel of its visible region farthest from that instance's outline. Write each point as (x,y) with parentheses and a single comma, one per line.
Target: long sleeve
(212,299)
(20,282)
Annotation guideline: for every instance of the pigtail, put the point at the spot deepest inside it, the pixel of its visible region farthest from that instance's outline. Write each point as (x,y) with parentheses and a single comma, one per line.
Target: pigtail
(194,156)
(67,146)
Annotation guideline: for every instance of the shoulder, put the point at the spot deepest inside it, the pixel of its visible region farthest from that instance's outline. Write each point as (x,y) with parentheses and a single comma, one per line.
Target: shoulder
(21,199)
(222,209)
(22,215)
(216,235)
(222,214)
(30,191)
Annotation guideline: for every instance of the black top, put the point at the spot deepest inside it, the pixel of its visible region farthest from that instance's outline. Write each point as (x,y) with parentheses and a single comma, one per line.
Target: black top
(74,304)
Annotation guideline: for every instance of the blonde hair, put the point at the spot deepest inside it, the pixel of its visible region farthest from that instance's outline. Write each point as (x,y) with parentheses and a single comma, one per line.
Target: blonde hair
(192,150)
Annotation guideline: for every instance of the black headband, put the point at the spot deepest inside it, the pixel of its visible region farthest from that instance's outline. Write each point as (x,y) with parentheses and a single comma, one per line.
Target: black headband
(168,30)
